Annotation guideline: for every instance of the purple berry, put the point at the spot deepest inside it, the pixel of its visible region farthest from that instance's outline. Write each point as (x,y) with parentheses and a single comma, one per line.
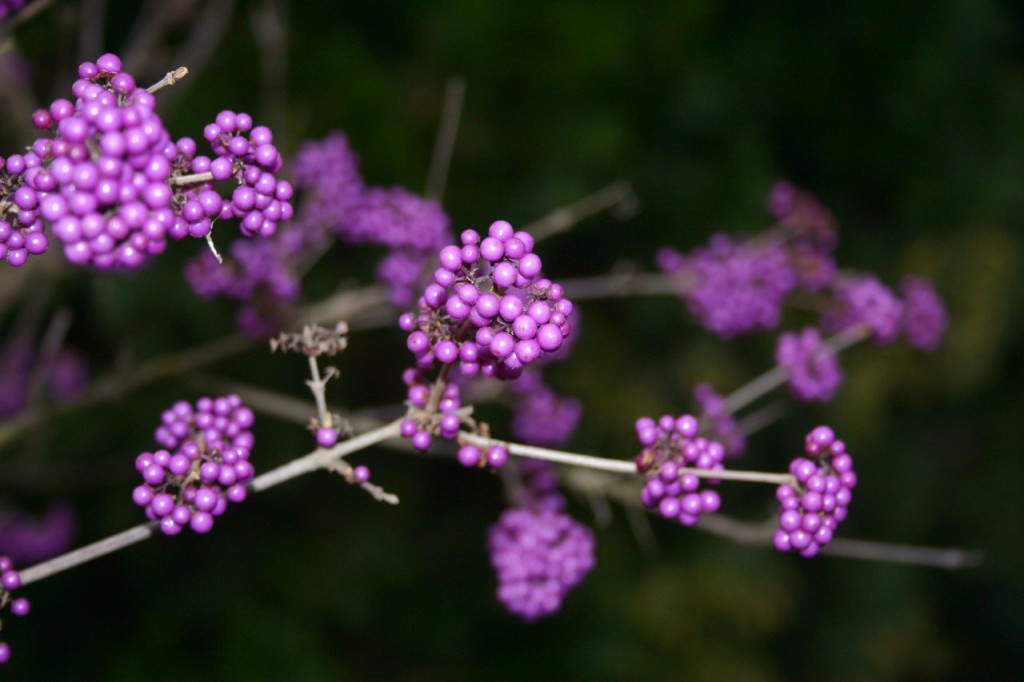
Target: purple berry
(326,436)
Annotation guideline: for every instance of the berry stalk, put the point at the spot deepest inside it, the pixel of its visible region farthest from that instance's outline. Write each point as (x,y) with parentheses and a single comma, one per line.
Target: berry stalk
(777,375)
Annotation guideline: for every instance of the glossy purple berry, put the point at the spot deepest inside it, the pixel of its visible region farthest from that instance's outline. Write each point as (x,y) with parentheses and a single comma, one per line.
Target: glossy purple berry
(326,436)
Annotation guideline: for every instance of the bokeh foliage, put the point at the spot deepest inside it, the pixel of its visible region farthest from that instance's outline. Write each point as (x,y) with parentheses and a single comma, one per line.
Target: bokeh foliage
(906,119)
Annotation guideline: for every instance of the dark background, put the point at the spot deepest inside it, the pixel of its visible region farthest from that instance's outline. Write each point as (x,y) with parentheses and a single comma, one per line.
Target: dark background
(906,119)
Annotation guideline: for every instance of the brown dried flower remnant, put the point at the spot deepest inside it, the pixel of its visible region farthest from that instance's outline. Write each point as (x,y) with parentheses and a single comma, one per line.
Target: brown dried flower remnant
(314,340)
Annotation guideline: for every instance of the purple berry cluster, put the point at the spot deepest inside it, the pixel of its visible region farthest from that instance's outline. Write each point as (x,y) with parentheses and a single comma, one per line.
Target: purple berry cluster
(246,154)
(336,204)
(733,287)
(487,308)
(21,231)
(819,497)
(539,557)
(101,181)
(810,231)
(10,580)
(537,550)
(202,466)
(328,171)
(442,419)
(257,273)
(671,444)
(66,375)
(11,7)
(925,319)
(863,299)
(736,286)
(812,368)
(424,422)
(112,184)
(26,538)
(541,416)
(412,227)
(397,218)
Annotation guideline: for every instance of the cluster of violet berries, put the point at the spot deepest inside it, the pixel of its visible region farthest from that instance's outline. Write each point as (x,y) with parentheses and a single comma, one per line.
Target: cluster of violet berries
(101,181)
(245,153)
(541,416)
(10,580)
(336,204)
(111,183)
(28,538)
(733,286)
(264,274)
(412,227)
(11,7)
(672,444)
(487,308)
(819,498)
(489,311)
(537,550)
(202,466)
(812,368)
(66,374)
(443,420)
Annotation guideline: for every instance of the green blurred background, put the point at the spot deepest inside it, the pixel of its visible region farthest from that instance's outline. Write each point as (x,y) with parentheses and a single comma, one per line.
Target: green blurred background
(906,119)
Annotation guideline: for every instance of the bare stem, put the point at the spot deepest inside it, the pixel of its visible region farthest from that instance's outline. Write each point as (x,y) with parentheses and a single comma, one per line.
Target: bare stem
(903,554)
(620,284)
(617,466)
(318,459)
(213,248)
(756,388)
(317,386)
(733,475)
(759,533)
(86,554)
(203,39)
(617,194)
(777,376)
(192,179)
(769,414)
(447,131)
(270,31)
(118,384)
(351,303)
(169,79)
(375,491)
(325,457)
(344,305)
